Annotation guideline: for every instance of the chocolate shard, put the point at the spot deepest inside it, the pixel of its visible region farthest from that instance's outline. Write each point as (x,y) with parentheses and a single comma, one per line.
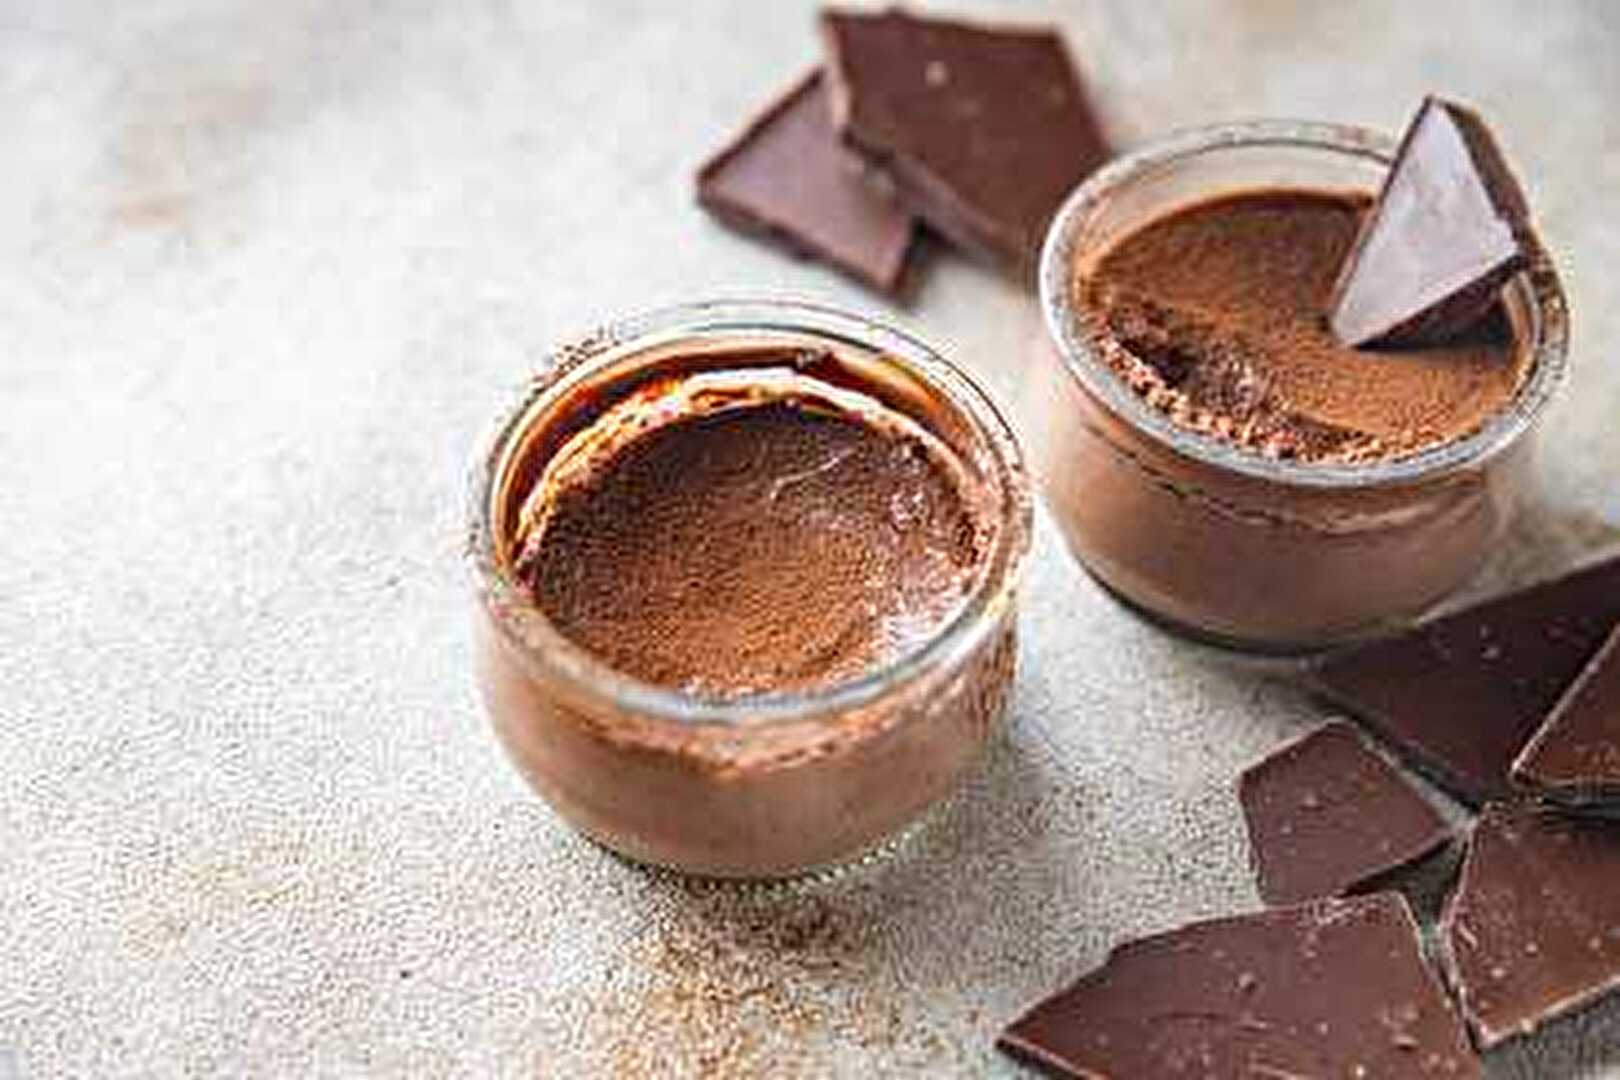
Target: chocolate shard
(787,177)
(985,130)
(1451,225)
(1460,695)
(1533,928)
(1574,758)
(1329,988)
(1327,815)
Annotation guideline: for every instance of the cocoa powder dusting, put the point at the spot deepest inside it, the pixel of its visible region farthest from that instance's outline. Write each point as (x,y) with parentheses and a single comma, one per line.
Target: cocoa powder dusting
(743,983)
(1218,309)
(769,547)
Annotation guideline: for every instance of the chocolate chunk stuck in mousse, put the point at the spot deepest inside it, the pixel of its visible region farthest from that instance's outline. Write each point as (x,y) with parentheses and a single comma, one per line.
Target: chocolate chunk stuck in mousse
(1574,758)
(1459,696)
(732,533)
(1533,929)
(788,177)
(1331,988)
(1212,312)
(1449,228)
(1327,815)
(985,130)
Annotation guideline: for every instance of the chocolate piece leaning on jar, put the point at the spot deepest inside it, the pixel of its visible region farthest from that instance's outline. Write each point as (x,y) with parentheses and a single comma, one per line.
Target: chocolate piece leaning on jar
(787,178)
(984,129)
(1459,696)
(1450,226)
(1327,815)
(1533,928)
(1328,988)
(1574,759)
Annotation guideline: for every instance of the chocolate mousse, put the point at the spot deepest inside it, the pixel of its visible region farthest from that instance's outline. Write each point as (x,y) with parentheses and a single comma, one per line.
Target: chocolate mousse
(1220,308)
(1213,453)
(751,531)
(748,584)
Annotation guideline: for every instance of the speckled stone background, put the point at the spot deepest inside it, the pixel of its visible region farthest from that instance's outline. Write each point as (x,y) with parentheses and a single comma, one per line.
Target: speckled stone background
(265,271)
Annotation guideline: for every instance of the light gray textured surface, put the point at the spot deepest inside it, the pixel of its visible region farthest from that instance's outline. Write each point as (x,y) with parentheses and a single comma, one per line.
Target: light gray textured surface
(265,269)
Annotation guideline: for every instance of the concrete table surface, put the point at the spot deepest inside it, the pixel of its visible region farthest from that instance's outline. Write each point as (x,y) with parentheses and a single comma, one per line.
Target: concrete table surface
(266,270)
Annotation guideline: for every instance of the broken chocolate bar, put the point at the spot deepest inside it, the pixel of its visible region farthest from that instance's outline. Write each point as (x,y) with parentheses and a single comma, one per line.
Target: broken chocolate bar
(787,177)
(1329,988)
(1533,929)
(1575,758)
(1327,815)
(1460,696)
(985,130)
(1450,227)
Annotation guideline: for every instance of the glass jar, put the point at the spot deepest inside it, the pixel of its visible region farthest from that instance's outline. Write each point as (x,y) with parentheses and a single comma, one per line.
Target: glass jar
(771,783)
(1225,544)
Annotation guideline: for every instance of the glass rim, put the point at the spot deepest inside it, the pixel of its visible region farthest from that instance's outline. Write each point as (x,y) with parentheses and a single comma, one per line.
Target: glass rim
(1081,353)
(525,627)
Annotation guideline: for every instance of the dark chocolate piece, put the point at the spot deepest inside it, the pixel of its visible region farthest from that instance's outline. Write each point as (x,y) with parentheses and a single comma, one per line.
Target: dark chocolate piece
(1327,815)
(1575,758)
(1330,988)
(787,177)
(1460,696)
(985,130)
(1533,929)
(1450,227)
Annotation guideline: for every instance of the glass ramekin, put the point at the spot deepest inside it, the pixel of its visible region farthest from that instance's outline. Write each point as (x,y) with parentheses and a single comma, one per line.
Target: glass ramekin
(1225,544)
(770,784)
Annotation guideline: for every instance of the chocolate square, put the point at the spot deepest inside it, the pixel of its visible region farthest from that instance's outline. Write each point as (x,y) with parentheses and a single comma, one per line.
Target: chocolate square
(1330,988)
(984,129)
(1574,758)
(1327,815)
(1460,695)
(787,177)
(1450,226)
(1533,928)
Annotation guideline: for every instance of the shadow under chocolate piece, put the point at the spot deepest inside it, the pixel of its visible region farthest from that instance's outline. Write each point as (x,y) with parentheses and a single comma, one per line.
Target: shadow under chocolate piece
(1575,758)
(1326,815)
(1450,226)
(1533,929)
(1460,695)
(985,130)
(787,177)
(1329,988)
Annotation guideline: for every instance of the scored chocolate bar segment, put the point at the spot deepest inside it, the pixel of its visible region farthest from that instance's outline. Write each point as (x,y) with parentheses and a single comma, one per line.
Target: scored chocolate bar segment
(1533,929)
(787,177)
(1330,988)
(1451,225)
(1327,815)
(1461,695)
(985,130)
(1575,758)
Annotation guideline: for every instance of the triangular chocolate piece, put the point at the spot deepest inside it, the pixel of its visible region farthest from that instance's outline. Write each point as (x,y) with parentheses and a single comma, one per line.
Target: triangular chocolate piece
(787,177)
(1533,928)
(1329,988)
(1575,758)
(984,129)
(1450,227)
(1460,696)
(1327,815)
